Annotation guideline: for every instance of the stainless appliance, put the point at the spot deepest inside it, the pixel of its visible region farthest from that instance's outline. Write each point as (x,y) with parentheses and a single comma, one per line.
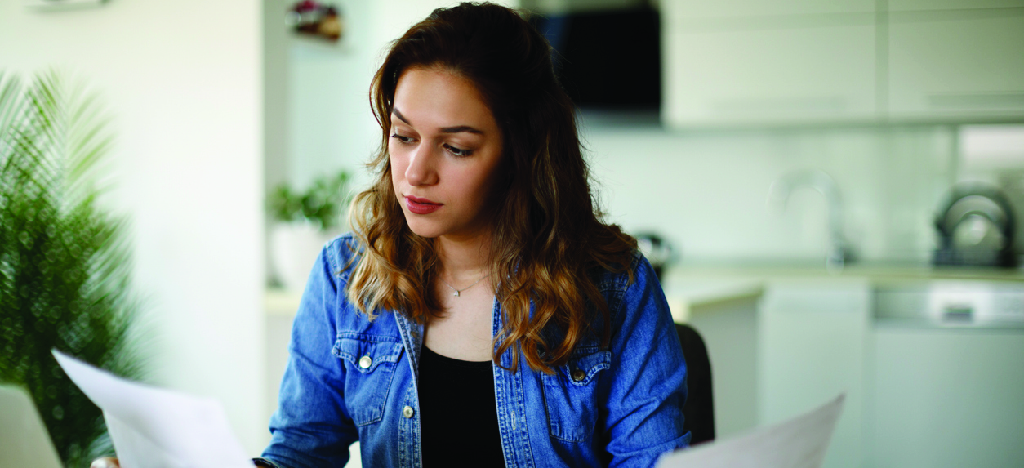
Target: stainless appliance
(977,227)
(1011,182)
(951,304)
(945,370)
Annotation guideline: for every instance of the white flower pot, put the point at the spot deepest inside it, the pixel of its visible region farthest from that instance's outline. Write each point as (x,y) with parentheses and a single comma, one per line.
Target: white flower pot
(294,248)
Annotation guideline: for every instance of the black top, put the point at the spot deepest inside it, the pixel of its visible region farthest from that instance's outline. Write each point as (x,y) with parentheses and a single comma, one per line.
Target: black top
(458,412)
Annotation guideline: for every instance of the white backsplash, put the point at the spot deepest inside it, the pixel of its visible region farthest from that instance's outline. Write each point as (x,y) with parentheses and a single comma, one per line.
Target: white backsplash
(706,190)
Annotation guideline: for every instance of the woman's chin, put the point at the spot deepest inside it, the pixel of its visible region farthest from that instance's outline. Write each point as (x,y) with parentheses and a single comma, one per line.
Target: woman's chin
(419,229)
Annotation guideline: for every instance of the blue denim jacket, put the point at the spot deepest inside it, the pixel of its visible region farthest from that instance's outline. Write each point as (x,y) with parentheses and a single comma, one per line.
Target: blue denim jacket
(349,378)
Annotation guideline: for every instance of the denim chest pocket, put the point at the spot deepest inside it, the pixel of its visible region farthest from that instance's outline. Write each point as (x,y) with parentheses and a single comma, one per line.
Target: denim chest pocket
(370,363)
(570,394)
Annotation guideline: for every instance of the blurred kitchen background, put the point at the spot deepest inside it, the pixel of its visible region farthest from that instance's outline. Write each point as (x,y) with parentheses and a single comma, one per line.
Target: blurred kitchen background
(793,158)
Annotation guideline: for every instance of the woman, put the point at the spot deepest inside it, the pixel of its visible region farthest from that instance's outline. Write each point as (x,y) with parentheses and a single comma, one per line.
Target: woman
(481,312)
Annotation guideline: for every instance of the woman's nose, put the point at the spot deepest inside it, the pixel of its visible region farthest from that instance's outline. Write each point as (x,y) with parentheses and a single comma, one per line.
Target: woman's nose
(420,170)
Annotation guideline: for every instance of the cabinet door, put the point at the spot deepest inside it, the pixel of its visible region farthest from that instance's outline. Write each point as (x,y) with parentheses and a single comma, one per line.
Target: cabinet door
(730,332)
(685,9)
(956,64)
(770,75)
(812,349)
(945,398)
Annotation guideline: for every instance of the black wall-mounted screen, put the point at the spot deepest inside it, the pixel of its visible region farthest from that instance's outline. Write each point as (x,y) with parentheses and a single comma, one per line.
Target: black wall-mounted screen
(607,60)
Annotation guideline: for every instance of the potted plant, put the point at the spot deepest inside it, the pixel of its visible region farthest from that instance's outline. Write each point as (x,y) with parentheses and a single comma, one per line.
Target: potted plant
(65,267)
(304,222)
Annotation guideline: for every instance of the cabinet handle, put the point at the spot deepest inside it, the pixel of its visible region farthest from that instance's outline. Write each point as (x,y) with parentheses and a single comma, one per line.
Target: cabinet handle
(1005,100)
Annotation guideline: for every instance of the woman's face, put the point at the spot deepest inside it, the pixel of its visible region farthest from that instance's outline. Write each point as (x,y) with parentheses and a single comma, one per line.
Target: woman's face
(445,149)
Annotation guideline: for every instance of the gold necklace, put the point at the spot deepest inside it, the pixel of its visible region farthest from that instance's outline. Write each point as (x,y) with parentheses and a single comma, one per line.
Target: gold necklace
(458,292)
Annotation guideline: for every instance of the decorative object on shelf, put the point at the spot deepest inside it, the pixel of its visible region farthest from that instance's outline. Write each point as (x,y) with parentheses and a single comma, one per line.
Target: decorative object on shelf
(65,266)
(304,222)
(316,19)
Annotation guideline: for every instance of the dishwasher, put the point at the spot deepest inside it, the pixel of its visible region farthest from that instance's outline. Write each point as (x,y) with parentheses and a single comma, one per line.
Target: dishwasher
(946,375)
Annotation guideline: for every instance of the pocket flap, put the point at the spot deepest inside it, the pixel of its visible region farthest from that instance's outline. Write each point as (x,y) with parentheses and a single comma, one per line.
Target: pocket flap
(588,366)
(582,368)
(366,353)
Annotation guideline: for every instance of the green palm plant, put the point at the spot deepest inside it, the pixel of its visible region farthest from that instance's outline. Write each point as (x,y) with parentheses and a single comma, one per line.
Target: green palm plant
(64,261)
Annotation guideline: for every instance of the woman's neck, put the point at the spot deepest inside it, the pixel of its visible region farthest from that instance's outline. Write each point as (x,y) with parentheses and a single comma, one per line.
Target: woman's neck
(464,258)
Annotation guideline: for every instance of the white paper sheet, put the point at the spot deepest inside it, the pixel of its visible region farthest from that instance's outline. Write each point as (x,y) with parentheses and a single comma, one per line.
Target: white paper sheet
(157,428)
(800,442)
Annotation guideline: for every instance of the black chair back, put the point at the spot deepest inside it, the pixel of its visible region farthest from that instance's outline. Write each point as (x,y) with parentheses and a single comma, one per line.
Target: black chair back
(699,409)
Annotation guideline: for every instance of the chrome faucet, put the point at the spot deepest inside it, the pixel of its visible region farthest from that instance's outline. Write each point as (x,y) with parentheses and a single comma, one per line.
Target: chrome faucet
(839,251)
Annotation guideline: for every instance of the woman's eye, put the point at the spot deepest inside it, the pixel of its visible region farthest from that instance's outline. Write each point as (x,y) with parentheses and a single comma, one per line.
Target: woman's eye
(400,138)
(458,151)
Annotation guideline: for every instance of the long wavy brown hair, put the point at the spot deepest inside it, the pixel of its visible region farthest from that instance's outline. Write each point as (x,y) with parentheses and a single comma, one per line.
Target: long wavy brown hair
(548,239)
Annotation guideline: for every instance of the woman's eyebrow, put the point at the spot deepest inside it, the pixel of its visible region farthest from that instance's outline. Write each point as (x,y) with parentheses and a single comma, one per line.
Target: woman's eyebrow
(400,116)
(455,129)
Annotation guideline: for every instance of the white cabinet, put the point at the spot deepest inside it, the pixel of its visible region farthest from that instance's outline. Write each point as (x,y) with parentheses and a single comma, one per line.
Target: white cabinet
(812,348)
(944,398)
(746,62)
(725,313)
(730,331)
(800,74)
(962,64)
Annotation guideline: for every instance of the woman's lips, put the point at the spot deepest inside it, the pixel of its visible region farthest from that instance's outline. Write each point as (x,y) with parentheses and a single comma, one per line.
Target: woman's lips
(421,205)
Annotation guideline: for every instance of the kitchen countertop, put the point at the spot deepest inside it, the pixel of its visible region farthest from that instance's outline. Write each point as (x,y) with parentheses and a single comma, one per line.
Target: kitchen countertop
(689,296)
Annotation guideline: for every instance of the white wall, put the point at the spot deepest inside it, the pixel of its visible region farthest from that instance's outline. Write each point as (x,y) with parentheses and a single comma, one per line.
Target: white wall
(277,115)
(330,123)
(182,80)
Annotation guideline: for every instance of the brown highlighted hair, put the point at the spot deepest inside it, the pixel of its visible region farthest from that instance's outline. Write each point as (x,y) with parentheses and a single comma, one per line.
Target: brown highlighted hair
(548,239)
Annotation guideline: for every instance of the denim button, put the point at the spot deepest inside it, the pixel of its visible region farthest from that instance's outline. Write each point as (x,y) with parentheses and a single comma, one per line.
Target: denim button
(578,375)
(407,411)
(365,362)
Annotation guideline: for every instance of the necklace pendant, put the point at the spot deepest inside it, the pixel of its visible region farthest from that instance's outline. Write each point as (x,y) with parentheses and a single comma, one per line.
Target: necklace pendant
(456,294)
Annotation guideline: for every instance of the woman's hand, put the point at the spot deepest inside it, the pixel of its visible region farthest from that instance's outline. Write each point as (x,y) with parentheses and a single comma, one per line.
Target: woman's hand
(105,462)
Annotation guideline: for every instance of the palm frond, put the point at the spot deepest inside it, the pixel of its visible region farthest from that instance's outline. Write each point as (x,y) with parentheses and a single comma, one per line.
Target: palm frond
(64,263)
